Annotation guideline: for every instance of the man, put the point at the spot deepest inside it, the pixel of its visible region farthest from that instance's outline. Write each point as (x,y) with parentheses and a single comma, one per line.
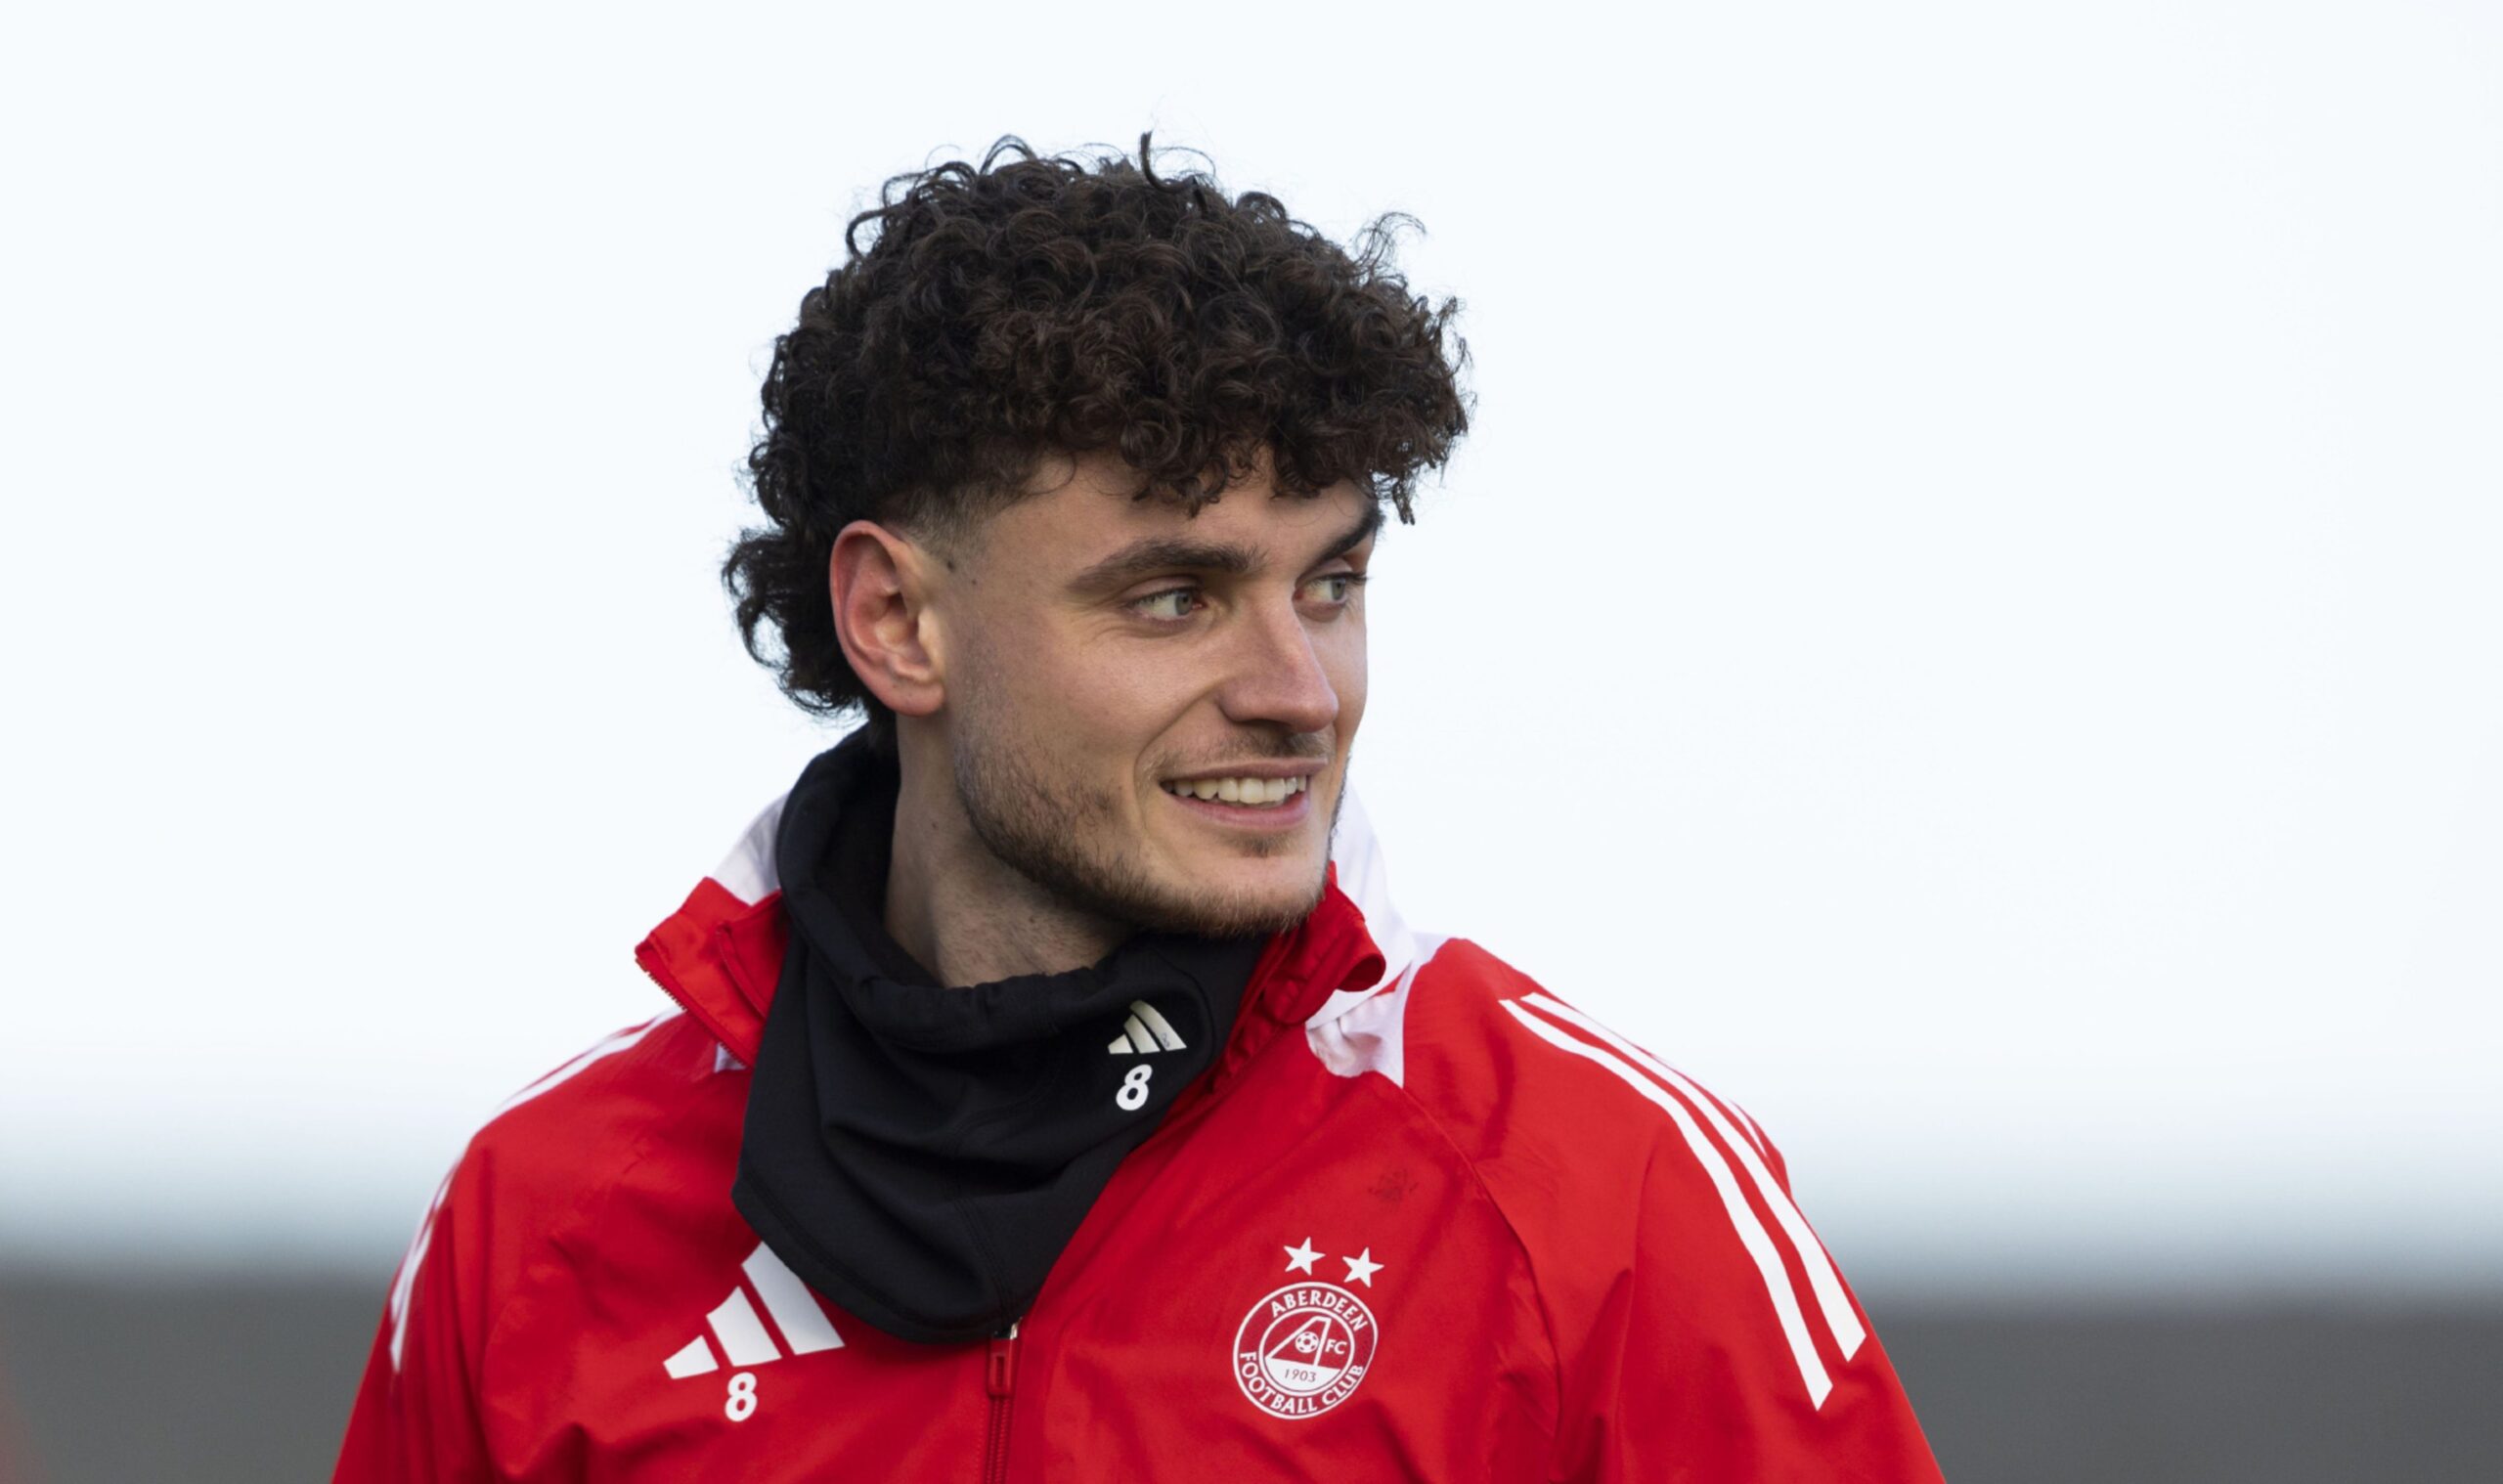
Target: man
(1039,1101)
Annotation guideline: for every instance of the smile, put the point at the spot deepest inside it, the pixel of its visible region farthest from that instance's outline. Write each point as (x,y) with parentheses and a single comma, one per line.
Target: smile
(1255,793)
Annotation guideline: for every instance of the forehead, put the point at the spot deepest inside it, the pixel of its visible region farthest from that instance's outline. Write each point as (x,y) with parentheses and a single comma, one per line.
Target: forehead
(1085,510)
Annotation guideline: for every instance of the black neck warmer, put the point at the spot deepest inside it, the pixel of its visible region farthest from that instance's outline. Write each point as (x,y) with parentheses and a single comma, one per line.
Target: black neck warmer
(921,1154)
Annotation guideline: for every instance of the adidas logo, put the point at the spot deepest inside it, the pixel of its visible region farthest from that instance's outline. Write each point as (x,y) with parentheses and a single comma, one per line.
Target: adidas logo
(1145,1031)
(741,1334)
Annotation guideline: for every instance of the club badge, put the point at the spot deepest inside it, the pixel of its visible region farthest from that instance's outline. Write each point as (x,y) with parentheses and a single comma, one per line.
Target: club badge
(1304,1348)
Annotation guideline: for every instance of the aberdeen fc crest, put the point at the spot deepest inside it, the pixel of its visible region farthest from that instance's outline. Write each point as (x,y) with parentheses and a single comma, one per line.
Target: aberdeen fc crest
(1304,1349)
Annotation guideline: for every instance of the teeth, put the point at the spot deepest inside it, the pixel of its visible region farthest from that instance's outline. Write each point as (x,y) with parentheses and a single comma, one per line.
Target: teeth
(1259,793)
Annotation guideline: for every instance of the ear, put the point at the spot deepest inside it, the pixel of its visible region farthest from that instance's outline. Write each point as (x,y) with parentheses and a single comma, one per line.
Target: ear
(882,616)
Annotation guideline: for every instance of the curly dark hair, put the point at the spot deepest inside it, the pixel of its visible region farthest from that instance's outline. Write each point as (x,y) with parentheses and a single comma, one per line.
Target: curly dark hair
(1005,311)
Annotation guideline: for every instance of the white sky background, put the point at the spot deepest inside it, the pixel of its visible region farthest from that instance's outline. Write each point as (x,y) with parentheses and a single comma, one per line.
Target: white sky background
(1968,619)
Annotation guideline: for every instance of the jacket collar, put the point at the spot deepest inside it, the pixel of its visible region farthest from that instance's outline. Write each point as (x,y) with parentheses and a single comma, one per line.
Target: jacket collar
(719,954)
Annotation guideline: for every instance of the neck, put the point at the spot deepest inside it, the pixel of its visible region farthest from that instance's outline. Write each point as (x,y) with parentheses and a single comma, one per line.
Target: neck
(960,910)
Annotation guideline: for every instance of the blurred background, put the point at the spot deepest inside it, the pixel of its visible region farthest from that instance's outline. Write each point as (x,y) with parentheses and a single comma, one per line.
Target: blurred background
(1968,622)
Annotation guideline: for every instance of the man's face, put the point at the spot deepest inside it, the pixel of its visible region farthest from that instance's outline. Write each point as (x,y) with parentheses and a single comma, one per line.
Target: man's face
(1111,660)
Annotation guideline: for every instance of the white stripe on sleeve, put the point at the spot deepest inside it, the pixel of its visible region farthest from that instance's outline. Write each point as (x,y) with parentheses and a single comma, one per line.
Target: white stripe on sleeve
(1822,1279)
(1751,1231)
(1755,1135)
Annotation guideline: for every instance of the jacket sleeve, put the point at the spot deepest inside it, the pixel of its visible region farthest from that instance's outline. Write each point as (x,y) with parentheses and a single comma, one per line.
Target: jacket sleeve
(1724,1344)
(1700,1330)
(417,1416)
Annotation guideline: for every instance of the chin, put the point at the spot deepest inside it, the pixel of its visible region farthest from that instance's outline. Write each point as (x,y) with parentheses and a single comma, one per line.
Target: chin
(1225,899)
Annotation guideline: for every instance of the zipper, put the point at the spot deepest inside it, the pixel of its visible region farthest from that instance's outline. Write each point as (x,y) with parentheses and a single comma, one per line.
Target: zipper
(685,1004)
(675,998)
(1000,1379)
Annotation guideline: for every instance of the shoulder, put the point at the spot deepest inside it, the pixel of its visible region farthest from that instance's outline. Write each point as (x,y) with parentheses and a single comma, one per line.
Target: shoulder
(563,1127)
(1620,1173)
(1698,1314)
(1591,1146)
(1515,1069)
(556,1143)
(539,1164)
(1699,1325)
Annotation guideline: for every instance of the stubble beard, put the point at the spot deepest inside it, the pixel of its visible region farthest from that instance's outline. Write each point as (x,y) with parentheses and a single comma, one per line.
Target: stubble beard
(1065,837)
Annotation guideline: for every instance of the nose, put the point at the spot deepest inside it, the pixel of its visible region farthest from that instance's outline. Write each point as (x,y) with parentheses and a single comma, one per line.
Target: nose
(1278,679)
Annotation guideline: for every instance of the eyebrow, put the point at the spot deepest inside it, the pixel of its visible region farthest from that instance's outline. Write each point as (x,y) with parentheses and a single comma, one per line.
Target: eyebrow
(1164,553)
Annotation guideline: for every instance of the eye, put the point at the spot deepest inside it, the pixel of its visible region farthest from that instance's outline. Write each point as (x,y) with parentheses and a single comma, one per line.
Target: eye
(1171,605)
(1334,589)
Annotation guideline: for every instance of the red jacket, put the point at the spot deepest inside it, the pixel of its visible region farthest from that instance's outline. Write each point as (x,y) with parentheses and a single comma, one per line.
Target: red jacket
(1422,1220)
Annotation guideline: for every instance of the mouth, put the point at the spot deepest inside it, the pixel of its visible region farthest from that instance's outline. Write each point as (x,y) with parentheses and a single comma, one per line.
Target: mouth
(1247,801)
(1243,791)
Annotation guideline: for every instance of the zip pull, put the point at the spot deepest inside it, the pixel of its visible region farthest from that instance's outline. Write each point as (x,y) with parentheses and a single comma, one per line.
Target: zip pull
(1002,1373)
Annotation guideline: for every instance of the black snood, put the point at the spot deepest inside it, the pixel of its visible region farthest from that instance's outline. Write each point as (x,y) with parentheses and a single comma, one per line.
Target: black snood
(921,1154)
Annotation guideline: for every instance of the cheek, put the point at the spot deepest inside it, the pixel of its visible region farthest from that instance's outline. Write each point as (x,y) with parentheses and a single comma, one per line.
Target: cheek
(1071,697)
